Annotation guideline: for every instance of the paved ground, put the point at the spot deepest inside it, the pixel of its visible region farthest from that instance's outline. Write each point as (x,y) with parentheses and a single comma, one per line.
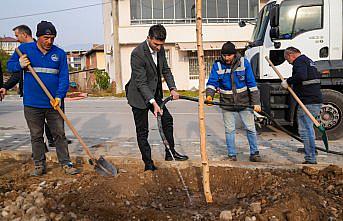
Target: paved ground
(107,126)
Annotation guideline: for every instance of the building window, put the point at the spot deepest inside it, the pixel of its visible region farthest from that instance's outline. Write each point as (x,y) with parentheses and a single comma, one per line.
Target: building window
(209,57)
(168,57)
(183,11)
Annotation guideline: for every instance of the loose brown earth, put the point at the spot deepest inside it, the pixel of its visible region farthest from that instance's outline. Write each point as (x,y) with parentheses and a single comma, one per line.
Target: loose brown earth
(300,194)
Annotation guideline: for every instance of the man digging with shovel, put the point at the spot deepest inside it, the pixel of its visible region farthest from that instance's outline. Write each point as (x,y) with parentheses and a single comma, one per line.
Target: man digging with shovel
(305,81)
(50,63)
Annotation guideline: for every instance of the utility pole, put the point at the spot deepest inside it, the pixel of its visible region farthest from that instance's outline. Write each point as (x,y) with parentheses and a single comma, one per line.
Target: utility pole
(116,47)
(204,159)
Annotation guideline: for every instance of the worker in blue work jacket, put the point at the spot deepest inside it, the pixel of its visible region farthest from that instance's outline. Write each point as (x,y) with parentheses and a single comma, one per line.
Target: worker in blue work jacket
(232,77)
(305,81)
(50,63)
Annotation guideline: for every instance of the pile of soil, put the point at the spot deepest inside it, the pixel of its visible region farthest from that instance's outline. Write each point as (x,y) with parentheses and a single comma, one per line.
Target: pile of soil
(244,194)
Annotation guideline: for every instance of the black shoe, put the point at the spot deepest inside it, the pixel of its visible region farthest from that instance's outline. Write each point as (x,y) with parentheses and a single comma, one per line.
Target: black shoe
(151,167)
(69,141)
(176,155)
(309,162)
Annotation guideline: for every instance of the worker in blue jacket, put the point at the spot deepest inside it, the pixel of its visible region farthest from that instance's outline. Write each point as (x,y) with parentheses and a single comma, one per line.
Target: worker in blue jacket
(50,63)
(232,77)
(305,81)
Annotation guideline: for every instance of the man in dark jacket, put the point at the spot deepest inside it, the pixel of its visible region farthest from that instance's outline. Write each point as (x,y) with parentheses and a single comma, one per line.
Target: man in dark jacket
(24,35)
(144,92)
(305,82)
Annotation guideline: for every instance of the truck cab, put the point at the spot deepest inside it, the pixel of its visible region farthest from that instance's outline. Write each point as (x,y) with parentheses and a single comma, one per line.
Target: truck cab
(315,27)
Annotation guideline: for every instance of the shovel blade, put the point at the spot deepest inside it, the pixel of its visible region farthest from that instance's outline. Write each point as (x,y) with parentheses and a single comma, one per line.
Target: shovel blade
(324,137)
(105,168)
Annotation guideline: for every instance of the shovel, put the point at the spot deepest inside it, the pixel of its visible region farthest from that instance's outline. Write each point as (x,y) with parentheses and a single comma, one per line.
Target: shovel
(316,123)
(101,166)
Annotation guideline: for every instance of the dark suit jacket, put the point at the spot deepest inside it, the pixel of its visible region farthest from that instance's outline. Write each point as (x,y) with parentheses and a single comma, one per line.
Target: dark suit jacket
(13,80)
(142,86)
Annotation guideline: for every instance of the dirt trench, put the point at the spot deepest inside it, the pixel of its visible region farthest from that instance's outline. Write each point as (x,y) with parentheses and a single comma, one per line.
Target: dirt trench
(248,194)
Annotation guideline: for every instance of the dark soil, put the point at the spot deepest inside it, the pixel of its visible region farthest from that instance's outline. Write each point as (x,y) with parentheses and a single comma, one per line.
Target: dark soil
(301,194)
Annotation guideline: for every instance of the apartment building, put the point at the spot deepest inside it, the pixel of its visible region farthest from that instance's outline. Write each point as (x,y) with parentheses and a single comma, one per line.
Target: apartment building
(8,44)
(220,24)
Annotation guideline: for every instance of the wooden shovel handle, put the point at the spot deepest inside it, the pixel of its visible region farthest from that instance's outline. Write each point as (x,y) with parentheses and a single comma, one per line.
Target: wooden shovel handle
(33,72)
(308,113)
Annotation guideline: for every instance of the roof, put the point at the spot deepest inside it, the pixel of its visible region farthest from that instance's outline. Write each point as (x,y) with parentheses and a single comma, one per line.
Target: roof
(8,39)
(96,48)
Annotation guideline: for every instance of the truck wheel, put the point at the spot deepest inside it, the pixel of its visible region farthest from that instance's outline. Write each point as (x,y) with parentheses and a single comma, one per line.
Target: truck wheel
(331,114)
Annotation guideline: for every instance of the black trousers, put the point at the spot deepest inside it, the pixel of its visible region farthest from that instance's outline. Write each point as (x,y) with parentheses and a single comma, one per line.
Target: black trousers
(142,129)
(35,118)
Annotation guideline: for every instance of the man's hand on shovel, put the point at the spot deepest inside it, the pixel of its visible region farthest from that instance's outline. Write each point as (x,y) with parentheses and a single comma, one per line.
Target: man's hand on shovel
(284,84)
(56,102)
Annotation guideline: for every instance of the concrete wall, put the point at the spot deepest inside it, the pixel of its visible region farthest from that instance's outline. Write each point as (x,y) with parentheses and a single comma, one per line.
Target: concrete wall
(100,60)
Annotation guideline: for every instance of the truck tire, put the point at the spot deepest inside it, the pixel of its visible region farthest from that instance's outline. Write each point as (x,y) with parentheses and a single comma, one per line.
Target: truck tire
(331,114)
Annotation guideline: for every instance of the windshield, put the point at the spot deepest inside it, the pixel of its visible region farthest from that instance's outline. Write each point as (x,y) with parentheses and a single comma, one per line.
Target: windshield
(287,15)
(261,25)
(297,17)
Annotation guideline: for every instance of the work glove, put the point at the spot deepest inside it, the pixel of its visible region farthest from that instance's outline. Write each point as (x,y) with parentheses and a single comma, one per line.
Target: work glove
(284,84)
(24,61)
(55,103)
(209,99)
(257,108)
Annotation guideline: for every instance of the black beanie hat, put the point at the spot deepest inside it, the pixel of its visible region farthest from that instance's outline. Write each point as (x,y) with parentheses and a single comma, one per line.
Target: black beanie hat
(228,48)
(45,28)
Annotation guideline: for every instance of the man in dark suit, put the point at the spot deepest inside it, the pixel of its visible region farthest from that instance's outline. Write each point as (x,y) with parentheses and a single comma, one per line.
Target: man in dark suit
(144,92)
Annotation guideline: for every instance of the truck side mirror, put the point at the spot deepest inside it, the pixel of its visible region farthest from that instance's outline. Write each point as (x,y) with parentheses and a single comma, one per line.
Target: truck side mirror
(274,33)
(274,16)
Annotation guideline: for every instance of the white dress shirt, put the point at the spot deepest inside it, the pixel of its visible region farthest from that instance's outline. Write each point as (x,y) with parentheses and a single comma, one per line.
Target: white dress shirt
(154,57)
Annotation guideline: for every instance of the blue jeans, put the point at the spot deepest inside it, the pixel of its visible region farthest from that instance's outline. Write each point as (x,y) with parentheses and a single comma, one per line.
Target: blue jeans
(247,118)
(306,131)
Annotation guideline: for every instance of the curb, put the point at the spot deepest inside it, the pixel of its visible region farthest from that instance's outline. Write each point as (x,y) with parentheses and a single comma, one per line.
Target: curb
(52,157)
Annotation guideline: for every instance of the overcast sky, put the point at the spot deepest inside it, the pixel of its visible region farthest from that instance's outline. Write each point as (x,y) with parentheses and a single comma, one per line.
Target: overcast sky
(81,26)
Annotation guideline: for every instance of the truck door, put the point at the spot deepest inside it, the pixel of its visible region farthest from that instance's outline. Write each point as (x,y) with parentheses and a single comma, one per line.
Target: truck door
(304,25)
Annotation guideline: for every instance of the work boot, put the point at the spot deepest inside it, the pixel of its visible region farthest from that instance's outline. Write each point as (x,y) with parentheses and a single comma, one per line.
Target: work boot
(232,158)
(255,157)
(176,155)
(70,169)
(39,170)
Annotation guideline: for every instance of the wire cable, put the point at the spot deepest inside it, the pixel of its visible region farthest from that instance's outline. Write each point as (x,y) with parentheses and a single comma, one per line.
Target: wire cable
(55,11)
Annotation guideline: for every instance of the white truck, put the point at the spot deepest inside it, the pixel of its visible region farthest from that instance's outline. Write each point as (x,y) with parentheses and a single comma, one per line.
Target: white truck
(316,28)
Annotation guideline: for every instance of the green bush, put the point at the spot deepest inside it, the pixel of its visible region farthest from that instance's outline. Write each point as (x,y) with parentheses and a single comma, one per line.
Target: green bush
(3,59)
(102,79)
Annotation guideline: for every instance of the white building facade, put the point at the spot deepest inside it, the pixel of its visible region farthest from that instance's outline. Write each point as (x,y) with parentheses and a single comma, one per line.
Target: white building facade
(220,24)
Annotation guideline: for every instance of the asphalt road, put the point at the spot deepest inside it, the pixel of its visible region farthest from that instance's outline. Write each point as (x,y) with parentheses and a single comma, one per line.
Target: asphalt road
(106,125)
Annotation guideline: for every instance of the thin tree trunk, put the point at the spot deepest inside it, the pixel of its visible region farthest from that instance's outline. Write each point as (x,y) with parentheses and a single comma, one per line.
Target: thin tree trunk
(204,160)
